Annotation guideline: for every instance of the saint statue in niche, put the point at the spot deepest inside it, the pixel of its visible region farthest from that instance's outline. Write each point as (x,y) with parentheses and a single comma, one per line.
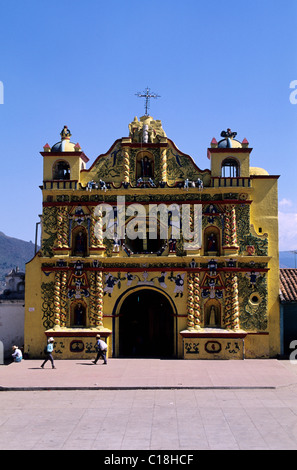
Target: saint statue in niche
(212,242)
(146,167)
(212,319)
(79,315)
(80,244)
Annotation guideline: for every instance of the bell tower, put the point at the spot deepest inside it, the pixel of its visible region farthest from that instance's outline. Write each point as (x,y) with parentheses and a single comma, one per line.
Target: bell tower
(62,163)
(230,159)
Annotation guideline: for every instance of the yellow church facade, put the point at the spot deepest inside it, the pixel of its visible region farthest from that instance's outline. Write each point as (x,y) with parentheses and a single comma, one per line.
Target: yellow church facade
(159,257)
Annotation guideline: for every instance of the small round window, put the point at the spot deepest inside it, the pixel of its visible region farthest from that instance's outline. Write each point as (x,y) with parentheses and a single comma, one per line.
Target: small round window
(255,299)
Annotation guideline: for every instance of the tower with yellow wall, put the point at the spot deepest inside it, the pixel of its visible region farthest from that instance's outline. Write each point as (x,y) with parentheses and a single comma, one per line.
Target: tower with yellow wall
(163,259)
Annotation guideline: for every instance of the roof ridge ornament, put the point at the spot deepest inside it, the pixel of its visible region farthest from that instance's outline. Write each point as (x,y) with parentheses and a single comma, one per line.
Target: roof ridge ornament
(228,134)
(65,133)
(147,95)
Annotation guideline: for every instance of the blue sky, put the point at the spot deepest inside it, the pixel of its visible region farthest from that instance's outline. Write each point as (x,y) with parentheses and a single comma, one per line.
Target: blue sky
(215,64)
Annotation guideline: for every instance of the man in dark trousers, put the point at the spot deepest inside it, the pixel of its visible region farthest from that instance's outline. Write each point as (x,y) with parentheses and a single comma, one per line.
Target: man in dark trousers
(101,347)
(49,349)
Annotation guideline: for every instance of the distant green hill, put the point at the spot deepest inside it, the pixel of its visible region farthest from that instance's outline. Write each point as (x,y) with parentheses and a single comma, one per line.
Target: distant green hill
(13,253)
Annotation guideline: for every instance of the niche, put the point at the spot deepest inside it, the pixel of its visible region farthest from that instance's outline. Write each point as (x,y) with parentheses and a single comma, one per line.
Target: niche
(212,241)
(144,165)
(212,314)
(78,315)
(79,242)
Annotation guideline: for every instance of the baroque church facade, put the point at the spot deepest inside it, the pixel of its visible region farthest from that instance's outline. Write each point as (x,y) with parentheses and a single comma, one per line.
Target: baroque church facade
(161,258)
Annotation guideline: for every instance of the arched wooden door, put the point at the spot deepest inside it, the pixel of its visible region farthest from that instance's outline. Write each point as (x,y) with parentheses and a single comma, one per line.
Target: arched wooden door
(146,325)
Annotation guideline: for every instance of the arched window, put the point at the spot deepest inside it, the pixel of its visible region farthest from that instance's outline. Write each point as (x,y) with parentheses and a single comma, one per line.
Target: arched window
(21,287)
(151,243)
(230,168)
(61,170)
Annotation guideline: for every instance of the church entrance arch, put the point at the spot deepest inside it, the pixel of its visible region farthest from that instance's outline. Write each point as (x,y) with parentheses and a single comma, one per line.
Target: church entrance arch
(146,324)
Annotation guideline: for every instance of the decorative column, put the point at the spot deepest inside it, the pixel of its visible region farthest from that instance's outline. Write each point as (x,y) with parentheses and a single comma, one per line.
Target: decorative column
(227,239)
(190,302)
(197,313)
(96,299)
(193,302)
(164,165)
(235,319)
(230,231)
(63,308)
(96,229)
(92,303)
(99,289)
(126,166)
(233,229)
(62,227)
(57,300)
(231,319)
(96,233)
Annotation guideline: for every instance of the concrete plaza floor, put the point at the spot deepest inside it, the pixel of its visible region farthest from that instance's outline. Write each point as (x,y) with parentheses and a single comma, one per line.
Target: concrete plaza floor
(149,404)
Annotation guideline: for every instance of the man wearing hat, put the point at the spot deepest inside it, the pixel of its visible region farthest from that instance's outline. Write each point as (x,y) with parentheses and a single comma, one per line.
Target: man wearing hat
(16,354)
(101,348)
(48,351)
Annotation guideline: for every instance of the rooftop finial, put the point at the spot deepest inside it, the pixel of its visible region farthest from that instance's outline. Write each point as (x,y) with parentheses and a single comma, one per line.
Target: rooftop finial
(228,134)
(147,95)
(65,133)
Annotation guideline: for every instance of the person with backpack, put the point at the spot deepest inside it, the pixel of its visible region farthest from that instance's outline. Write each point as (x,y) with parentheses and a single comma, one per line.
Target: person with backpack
(48,351)
(101,348)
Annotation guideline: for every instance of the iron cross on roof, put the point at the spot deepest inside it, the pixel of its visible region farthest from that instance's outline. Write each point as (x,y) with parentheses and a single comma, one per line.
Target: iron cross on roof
(147,95)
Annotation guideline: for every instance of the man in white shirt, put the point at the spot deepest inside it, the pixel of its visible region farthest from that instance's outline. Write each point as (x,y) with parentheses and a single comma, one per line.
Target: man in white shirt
(16,354)
(101,348)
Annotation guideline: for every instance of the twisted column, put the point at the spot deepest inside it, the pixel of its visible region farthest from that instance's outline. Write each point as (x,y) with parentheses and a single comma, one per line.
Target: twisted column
(197,312)
(193,302)
(164,165)
(63,301)
(190,302)
(233,229)
(227,238)
(188,222)
(235,316)
(126,166)
(62,227)
(99,289)
(231,302)
(57,300)
(96,235)
(96,299)
(92,303)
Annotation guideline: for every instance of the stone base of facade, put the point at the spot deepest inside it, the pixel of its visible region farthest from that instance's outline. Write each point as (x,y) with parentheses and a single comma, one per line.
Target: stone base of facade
(76,343)
(212,343)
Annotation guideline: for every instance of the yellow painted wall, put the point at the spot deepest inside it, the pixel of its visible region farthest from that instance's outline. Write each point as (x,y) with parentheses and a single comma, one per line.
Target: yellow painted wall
(74,161)
(242,158)
(34,337)
(263,214)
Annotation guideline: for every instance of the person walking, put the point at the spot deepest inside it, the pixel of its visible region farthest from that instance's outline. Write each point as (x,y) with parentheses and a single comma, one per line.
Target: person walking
(48,350)
(16,354)
(101,348)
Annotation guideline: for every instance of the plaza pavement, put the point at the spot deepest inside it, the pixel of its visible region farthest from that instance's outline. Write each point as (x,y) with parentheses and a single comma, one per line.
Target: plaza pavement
(147,373)
(149,404)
